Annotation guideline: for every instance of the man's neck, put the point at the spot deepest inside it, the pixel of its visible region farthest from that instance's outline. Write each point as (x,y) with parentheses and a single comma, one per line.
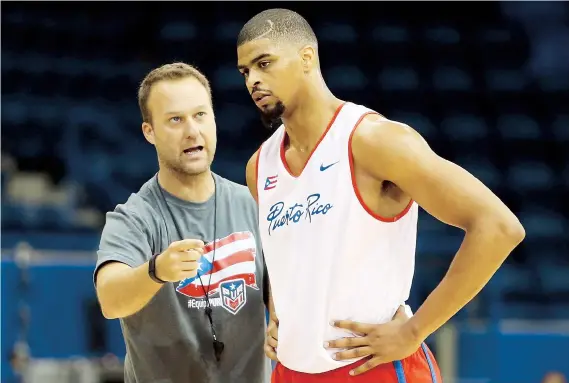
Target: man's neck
(310,118)
(193,188)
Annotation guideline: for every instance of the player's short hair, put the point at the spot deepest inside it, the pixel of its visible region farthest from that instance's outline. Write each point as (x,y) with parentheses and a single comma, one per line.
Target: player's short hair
(278,24)
(174,71)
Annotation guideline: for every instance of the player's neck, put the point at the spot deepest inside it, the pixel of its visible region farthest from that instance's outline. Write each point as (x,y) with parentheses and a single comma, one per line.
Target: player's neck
(310,118)
(194,188)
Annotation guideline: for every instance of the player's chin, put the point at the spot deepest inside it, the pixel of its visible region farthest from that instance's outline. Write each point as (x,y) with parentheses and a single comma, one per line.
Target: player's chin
(271,111)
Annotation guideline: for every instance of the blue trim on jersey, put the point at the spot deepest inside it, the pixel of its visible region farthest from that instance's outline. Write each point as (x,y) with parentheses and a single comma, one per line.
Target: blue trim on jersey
(429,362)
(399,371)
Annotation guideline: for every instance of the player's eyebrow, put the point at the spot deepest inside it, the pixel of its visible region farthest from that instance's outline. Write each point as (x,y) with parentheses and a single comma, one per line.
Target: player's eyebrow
(256,59)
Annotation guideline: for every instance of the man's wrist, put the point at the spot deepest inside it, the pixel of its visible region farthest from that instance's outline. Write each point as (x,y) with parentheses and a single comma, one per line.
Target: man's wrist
(414,330)
(152,270)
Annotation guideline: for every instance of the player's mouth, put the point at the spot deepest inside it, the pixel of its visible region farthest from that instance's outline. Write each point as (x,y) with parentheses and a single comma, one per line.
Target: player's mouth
(259,97)
(194,151)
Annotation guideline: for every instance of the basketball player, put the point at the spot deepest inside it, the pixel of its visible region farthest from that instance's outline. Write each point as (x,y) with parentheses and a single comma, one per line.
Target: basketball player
(338,187)
(178,262)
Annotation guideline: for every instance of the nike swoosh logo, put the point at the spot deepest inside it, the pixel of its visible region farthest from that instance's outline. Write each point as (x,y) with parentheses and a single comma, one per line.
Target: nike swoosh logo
(322,167)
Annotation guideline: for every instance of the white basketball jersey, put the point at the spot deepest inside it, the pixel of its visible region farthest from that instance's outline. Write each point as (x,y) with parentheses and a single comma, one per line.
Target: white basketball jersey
(328,256)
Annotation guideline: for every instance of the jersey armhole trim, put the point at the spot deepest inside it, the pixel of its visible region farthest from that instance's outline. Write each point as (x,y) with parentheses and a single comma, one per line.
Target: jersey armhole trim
(355,186)
(257,173)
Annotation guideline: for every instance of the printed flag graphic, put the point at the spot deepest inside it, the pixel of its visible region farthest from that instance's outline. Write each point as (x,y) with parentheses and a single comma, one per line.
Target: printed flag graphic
(271,183)
(234,259)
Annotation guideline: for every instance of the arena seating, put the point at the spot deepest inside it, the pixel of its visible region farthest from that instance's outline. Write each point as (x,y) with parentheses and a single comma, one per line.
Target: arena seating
(72,147)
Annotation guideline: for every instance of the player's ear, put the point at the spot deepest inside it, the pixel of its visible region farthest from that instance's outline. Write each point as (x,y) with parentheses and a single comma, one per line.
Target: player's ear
(148,132)
(308,57)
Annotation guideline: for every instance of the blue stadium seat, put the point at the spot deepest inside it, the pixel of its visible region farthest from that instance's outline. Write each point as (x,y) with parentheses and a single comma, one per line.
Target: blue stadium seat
(391,34)
(554,83)
(565,177)
(494,35)
(430,225)
(10,215)
(516,279)
(558,311)
(233,120)
(9,61)
(560,127)
(464,127)
(442,35)
(13,110)
(68,66)
(451,79)
(544,224)
(523,310)
(518,127)
(228,78)
(508,80)
(439,245)
(528,176)
(554,280)
(348,77)
(178,31)
(398,79)
(228,31)
(229,168)
(337,33)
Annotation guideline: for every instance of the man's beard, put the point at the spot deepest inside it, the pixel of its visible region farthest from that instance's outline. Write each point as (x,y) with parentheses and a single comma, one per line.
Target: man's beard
(177,167)
(271,118)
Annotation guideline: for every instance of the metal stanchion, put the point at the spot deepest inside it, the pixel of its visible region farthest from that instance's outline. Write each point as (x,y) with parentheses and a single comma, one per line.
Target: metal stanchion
(20,356)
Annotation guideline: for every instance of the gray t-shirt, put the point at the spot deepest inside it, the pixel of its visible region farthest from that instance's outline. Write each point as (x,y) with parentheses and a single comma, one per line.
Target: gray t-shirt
(169,340)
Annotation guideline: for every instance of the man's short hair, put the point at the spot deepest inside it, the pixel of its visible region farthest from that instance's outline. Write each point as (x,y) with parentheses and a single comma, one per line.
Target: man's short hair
(174,71)
(278,24)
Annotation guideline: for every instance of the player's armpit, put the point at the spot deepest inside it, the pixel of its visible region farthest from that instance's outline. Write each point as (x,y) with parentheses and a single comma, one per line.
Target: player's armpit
(251,174)
(395,152)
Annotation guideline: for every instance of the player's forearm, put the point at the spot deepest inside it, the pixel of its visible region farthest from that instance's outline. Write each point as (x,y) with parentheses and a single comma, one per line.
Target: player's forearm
(126,291)
(484,249)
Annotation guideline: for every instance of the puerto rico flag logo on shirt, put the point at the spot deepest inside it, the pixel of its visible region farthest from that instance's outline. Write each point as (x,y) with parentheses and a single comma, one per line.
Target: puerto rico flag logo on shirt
(232,270)
(271,182)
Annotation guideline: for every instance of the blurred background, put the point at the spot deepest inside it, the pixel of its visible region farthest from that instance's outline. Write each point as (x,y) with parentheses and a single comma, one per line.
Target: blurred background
(486,83)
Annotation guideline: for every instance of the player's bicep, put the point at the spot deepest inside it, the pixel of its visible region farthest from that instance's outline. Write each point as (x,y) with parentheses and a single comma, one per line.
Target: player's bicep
(442,188)
(445,190)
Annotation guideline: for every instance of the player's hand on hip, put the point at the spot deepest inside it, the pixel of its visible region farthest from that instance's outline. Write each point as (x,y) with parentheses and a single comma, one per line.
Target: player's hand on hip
(271,339)
(384,342)
(180,260)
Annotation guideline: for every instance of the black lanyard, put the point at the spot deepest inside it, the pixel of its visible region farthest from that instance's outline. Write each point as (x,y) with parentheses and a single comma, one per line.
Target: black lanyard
(218,346)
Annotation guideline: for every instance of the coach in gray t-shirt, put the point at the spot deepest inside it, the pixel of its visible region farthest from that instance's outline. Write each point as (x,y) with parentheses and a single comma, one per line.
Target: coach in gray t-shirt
(185,246)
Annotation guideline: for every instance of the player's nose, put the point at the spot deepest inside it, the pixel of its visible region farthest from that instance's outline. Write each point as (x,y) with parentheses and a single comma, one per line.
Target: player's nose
(253,81)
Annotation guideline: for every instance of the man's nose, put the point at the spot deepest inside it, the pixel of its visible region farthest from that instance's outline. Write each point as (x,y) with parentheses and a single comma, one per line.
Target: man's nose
(192,129)
(253,81)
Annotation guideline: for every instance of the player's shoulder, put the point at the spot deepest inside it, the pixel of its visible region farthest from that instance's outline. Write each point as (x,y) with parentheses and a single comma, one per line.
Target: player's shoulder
(252,162)
(380,132)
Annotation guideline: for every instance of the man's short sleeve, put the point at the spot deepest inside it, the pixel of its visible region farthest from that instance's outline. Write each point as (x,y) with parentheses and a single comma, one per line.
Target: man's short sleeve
(125,238)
